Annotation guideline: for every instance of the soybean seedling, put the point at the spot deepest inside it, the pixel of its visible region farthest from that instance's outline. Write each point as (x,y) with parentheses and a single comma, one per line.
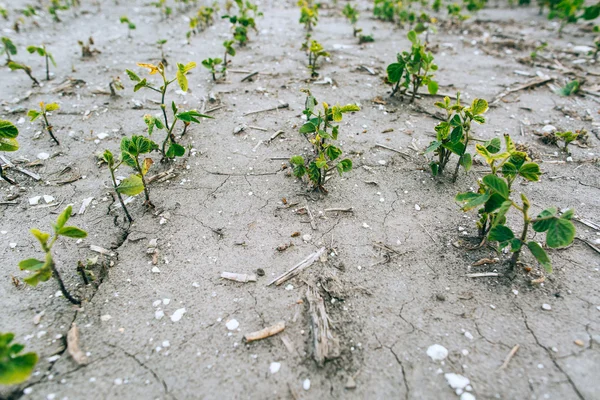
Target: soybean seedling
(164,10)
(15,66)
(385,9)
(413,69)
(321,131)
(309,14)
(114,85)
(43,52)
(14,367)
(131,150)
(351,14)
(569,137)
(229,51)
(454,134)
(510,164)
(248,13)
(3,13)
(8,48)
(130,25)
(571,11)
(203,19)
(8,142)
(55,6)
(44,270)
(44,110)
(211,64)
(170,148)
(112,167)
(559,229)
(314,53)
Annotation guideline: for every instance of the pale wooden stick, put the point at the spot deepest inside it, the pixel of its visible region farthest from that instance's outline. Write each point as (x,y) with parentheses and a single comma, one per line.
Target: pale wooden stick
(285,105)
(483,275)
(509,357)
(296,269)
(266,332)
(326,345)
(232,276)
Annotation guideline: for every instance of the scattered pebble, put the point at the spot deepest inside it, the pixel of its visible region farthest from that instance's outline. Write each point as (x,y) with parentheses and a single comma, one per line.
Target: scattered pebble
(467,396)
(43,156)
(232,324)
(306,238)
(579,343)
(118,381)
(159,314)
(48,199)
(468,335)
(350,383)
(178,314)
(155,270)
(457,381)
(306,384)
(105,318)
(289,287)
(546,307)
(274,367)
(437,352)
(34,201)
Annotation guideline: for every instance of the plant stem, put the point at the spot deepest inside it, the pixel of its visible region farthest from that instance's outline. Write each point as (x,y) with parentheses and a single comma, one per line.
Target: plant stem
(515,257)
(114,181)
(49,128)
(139,170)
(63,289)
(81,270)
(28,72)
(47,66)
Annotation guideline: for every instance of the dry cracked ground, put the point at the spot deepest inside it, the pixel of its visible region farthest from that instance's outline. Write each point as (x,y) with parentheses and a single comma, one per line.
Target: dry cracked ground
(394,276)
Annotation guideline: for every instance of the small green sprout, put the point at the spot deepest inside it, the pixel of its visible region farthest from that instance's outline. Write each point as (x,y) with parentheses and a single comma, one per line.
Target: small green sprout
(385,9)
(131,150)
(14,367)
(211,64)
(314,53)
(569,137)
(43,52)
(309,14)
(45,269)
(413,68)
(229,50)
(365,39)
(44,110)
(571,11)
(112,167)
(320,131)
(8,142)
(130,25)
(164,9)
(351,14)
(86,48)
(8,48)
(246,18)
(569,89)
(3,13)
(114,85)
(55,6)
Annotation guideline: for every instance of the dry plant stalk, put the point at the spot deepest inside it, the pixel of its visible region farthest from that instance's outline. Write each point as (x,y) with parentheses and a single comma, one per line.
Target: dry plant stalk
(73,346)
(244,278)
(326,345)
(266,332)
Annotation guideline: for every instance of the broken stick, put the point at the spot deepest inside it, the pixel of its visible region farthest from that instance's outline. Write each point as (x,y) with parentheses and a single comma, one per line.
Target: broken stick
(532,83)
(383,146)
(509,357)
(296,269)
(279,107)
(326,345)
(265,333)
(244,278)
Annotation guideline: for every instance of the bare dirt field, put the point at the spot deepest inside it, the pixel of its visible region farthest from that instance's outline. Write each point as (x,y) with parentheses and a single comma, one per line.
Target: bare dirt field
(159,322)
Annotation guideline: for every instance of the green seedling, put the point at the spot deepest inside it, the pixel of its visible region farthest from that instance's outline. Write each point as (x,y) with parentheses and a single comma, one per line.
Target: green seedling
(44,270)
(130,25)
(385,9)
(15,66)
(211,64)
(28,11)
(510,164)
(170,148)
(85,271)
(455,13)
(571,11)
(164,10)
(496,196)
(14,367)
(3,13)
(114,85)
(569,137)
(569,89)
(229,51)
(8,48)
(43,52)
(113,165)
(413,68)
(44,110)
(161,44)
(131,150)
(321,131)
(594,53)
(55,6)
(474,5)
(86,48)
(454,134)
(246,19)
(8,142)
(315,52)
(365,39)
(351,14)
(309,14)
(538,49)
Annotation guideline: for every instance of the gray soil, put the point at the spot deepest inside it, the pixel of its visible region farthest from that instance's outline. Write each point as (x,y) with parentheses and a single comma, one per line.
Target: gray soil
(222,209)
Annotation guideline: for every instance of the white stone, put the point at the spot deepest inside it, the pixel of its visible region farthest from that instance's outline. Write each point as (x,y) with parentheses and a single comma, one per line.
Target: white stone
(118,381)
(437,352)
(289,287)
(178,314)
(417,207)
(159,314)
(166,301)
(166,343)
(546,307)
(306,384)
(467,396)
(306,238)
(155,270)
(232,324)
(48,199)
(468,335)
(274,367)
(12,245)
(156,303)
(582,49)
(457,381)
(549,129)
(43,156)
(105,318)
(34,201)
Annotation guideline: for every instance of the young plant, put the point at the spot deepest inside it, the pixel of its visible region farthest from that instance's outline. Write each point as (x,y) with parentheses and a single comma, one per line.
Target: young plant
(164,9)
(8,142)
(495,193)
(44,110)
(309,14)
(321,131)
(314,53)
(43,52)
(510,164)
(385,9)
(413,68)
(454,134)
(248,12)
(569,89)
(569,137)
(351,14)
(211,64)
(8,48)
(55,6)
(86,48)
(14,367)
(44,270)
(229,50)
(3,13)
(130,25)
(170,148)
(15,66)
(571,11)
(455,13)
(131,150)
(112,167)
(114,85)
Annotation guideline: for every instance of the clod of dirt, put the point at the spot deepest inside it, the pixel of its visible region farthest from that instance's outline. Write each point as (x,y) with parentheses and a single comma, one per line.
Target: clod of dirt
(260,272)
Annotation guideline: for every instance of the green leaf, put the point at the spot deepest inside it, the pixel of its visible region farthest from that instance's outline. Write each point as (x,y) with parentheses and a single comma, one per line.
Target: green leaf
(493,146)
(191,116)
(175,150)
(8,130)
(131,186)
(52,107)
(140,84)
(560,234)
(502,210)
(515,245)
(472,200)
(466,161)
(297,160)
(494,202)
(31,264)
(432,87)
(63,217)
(181,78)
(394,72)
(435,168)
(336,113)
(344,166)
(530,171)
(33,114)
(349,108)
(15,369)
(544,220)
(333,152)
(540,254)
(412,36)
(479,106)
(72,232)
(132,75)
(308,127)
(500,233)
(41,275)
(7,144)
(496,184)
(432,146)
(42,237)
(314,173)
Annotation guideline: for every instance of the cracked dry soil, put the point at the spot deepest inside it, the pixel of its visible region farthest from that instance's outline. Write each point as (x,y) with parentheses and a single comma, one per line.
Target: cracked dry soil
(224,212)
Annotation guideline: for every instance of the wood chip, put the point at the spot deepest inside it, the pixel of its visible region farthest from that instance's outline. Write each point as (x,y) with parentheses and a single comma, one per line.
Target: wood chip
(326,345)
(73,346)
(244,278)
